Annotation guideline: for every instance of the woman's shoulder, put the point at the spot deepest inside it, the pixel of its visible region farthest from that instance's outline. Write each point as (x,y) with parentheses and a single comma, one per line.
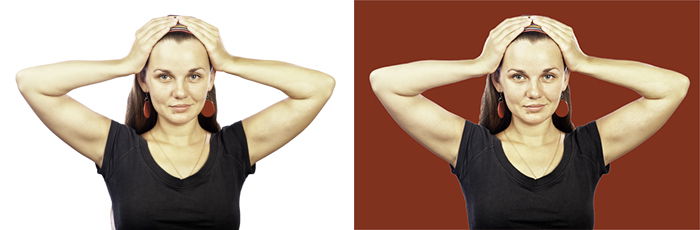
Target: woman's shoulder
(586,132)
(585,141)
(232,135)
(476,137)
(476,129)
(122,140)
(233,129)
(119,130)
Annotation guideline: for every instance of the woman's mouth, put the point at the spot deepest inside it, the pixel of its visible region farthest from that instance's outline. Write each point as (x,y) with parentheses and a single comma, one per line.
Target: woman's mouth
(534,108)
(180,108)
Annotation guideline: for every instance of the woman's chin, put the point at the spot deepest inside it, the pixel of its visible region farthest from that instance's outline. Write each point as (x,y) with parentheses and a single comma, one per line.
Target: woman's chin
(178,118)
(534,118)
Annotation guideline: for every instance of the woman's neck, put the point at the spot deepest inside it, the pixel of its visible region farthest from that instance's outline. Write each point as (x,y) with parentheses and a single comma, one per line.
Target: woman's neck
(178,134)
(532,134)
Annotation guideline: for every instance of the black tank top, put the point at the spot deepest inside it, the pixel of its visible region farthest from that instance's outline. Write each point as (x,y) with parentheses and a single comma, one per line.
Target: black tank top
(144,196)
(500,196)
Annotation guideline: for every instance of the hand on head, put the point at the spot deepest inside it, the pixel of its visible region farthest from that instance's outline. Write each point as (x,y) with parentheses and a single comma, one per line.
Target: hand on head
(502,35)
(146,38)
(148,35)
(209,36)
(499,38)
(564,36)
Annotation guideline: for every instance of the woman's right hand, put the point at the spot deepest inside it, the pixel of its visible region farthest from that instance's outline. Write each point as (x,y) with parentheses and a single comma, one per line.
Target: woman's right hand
(498,40)
(146,38)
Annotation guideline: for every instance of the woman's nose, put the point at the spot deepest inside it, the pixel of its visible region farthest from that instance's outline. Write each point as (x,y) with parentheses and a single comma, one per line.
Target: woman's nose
(534,90)
(180,91)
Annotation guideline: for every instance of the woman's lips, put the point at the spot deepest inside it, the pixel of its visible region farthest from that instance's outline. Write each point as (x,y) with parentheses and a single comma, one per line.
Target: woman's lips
(534,108)
(180,108)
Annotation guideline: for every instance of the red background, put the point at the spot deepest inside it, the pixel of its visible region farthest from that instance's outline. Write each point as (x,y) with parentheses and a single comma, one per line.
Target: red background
(399,184)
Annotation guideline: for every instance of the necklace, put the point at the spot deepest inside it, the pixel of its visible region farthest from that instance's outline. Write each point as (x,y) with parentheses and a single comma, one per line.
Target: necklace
(528,166)
(171,162)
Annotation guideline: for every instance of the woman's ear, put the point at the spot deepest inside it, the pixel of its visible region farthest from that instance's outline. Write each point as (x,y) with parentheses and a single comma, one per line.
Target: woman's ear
(492,77)
(144,86)
(212,76)
(565,84)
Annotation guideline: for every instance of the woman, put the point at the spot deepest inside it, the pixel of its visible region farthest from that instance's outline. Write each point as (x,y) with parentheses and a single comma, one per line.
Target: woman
(523,165)
(172,166)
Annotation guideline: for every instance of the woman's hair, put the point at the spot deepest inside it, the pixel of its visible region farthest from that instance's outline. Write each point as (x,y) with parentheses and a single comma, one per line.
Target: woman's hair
(134,108)
(489,101)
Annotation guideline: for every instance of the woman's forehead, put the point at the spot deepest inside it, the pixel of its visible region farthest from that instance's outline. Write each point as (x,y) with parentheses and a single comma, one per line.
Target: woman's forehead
(533,56)
(179,56)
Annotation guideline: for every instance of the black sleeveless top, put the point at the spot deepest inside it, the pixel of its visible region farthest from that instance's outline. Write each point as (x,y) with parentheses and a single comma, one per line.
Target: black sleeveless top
(144,196)
(500,196)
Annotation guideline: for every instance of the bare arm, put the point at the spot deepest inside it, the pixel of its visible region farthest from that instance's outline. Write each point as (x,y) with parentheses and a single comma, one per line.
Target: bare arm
(307,91)
(399,89)
(270,129)
(624,129)
(45,88)
(661,92)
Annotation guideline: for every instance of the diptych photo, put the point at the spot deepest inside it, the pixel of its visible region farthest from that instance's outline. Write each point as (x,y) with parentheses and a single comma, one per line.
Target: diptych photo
(351,115)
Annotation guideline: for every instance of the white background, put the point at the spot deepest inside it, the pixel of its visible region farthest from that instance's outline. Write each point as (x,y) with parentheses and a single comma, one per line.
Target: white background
(307,184)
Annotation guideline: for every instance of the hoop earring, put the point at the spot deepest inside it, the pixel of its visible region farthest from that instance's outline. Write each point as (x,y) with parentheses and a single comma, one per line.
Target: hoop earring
(147,107)
(562,108)
(209,108)
(501,106)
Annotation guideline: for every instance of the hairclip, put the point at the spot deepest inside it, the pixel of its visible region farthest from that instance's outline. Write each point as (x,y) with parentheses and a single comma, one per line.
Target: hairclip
(534,27)
(179,27)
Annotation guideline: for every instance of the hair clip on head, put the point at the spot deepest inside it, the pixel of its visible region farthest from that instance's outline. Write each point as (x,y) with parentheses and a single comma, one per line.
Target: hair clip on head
(534,27)
(179,27)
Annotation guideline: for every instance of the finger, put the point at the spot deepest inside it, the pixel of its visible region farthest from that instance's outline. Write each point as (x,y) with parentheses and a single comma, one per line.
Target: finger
(559,24)
(553,23)
(557,35)
(505,29)
(155,23)
(156,27)
(201,23)
(552,29)
(155,34)
(508,38)
(204,29)
(509,20)
(499,28)
(199,32)
(519,27)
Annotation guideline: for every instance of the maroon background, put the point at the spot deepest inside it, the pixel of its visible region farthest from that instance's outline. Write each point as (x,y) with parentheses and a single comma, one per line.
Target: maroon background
(399,184)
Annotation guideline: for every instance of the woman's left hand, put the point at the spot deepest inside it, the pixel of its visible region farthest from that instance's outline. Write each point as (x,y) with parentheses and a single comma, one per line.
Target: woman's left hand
(209,36)
(564,36)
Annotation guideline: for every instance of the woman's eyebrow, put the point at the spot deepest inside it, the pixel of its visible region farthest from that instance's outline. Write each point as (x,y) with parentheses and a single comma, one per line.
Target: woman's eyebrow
(543,71)
(168,71)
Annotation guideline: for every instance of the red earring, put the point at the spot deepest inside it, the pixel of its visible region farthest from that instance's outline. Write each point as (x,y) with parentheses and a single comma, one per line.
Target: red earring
(501,106)
(562,108)
(146,107)
(209,109)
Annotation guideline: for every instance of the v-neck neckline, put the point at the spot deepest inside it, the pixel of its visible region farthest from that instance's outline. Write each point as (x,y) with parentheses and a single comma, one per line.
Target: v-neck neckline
(529,181)
(171,180)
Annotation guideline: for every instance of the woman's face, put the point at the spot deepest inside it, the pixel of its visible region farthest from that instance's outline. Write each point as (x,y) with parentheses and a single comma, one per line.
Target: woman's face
(178,79)
(532,79)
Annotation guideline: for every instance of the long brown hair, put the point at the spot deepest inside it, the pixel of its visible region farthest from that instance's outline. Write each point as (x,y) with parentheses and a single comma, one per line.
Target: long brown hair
(134,108)
(489,101)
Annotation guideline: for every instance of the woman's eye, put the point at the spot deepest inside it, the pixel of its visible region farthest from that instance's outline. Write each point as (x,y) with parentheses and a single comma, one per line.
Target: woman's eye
(195,76)
(163,77)
(549,77)
(517,77)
